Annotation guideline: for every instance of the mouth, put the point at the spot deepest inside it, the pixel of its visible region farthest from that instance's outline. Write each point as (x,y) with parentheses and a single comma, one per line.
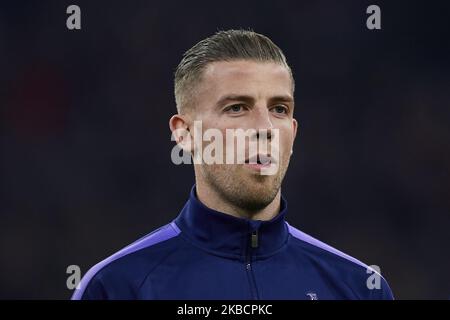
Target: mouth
(259,161)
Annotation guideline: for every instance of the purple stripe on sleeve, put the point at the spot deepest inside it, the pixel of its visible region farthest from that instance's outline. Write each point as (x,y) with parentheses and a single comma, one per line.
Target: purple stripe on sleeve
(165,233)
(307,238)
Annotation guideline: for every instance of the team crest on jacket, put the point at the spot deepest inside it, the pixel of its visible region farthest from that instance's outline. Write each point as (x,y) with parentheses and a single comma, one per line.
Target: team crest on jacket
(312,296)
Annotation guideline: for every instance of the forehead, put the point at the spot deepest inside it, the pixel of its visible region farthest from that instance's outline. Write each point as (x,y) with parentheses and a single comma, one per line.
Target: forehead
(246,77)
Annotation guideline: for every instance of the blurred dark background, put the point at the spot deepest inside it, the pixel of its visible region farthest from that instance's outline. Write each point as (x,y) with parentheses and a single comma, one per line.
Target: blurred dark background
(85,143)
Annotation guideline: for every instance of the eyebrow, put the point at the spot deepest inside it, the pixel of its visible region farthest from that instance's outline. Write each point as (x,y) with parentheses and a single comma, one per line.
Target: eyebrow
(249,99)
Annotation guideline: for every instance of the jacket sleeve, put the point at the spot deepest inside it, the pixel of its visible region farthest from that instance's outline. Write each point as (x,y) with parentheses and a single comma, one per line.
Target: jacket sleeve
(384,292)
(90,289)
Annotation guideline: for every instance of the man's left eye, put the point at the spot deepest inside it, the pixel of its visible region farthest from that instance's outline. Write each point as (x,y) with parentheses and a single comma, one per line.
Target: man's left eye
(280,109)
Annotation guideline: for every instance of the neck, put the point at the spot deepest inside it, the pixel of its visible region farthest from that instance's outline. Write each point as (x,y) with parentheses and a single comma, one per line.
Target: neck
(213,200)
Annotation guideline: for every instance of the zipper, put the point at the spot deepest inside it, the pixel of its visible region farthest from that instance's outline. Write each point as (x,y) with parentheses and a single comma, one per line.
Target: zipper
(254,238)
(253,244)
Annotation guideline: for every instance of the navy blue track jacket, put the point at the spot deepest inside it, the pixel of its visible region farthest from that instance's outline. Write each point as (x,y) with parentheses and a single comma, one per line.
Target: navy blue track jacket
(206,254)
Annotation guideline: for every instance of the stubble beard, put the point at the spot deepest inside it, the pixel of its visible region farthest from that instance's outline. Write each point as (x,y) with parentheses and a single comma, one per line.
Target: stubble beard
(248,191)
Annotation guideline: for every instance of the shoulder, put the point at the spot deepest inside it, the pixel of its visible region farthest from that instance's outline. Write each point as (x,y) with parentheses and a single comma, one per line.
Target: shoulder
(120,275)
(365,281)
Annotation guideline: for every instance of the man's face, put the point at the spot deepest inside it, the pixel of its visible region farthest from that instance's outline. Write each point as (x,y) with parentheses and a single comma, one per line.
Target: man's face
(246,95)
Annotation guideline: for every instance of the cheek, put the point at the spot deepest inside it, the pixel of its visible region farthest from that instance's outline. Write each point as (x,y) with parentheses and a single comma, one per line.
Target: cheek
(213,122)
(286,138)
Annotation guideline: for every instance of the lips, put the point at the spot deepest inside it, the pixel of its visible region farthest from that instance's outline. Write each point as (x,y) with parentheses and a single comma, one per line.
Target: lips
(260,159)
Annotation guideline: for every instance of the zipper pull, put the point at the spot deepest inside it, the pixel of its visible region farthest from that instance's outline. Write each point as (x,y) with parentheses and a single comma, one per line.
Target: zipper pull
(254,239)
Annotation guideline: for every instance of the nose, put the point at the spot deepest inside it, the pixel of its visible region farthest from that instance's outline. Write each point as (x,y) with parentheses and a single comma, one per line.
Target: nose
(262,121)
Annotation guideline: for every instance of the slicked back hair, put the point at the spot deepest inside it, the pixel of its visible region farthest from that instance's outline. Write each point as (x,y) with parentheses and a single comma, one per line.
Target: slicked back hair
(227,45)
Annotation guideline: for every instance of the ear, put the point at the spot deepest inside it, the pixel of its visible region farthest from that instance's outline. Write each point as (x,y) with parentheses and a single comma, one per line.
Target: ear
(294,128)
(179,125)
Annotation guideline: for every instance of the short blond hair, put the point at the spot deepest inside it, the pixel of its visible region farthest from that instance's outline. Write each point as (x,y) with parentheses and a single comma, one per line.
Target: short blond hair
(222,46)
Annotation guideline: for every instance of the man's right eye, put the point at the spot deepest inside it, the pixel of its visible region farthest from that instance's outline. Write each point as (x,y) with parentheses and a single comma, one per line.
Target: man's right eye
(235,108)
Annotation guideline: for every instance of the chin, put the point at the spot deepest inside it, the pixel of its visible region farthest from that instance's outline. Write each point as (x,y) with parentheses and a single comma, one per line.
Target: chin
(252,203)
(254,196)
